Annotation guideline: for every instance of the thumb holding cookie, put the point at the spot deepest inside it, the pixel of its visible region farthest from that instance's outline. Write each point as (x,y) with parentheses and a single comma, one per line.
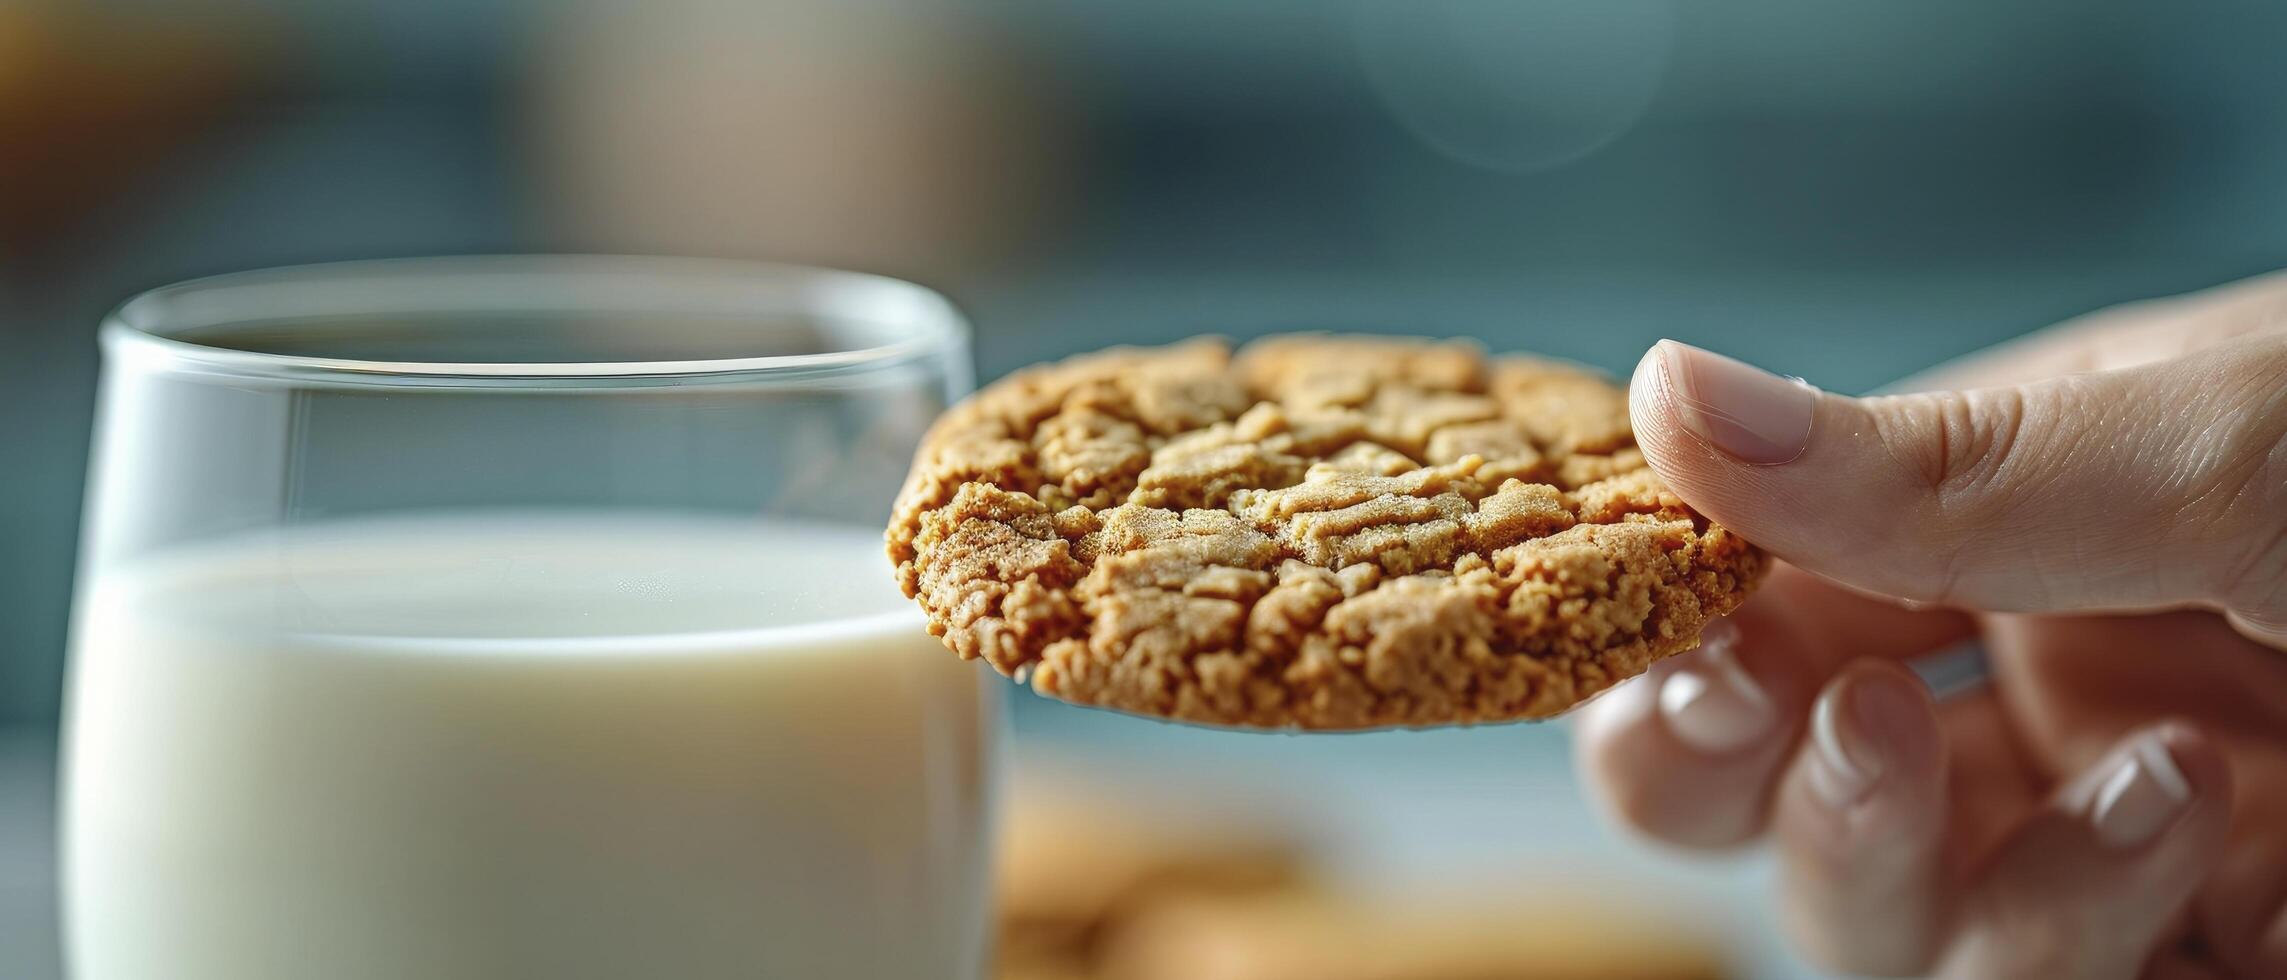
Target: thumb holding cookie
(2156,483)
(2110,801)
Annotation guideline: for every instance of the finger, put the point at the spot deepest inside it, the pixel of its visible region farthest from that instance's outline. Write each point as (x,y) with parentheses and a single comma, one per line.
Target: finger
(1991,780)
(1840,625)
(2242,909)
(2093,886)
(2079,683)
(1861,826)
(2076,700)
(1683,754)
(1688,754)
(2152,486)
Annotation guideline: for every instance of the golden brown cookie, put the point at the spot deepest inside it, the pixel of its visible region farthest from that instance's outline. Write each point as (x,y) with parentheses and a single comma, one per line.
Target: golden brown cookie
(1074,864)
(1319,532)
(1328,936)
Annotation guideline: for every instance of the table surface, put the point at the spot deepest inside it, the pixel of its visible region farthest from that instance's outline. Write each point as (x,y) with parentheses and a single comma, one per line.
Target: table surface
(1398,809)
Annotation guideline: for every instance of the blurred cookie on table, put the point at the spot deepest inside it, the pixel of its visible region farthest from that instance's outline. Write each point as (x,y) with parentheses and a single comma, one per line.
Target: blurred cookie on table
(1459,936)
(1103,885)
(1077,862)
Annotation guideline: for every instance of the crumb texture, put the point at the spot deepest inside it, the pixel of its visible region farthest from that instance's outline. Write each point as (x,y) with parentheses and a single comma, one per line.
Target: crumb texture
(1316,532)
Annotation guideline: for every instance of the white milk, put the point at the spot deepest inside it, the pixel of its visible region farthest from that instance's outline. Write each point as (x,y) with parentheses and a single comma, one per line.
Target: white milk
(523,745)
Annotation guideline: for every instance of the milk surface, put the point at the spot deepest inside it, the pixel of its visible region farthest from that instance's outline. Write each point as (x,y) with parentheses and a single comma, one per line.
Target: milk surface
(522,744)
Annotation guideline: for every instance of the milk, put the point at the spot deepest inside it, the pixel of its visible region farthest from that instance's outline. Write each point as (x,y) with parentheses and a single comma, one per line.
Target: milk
(511,745)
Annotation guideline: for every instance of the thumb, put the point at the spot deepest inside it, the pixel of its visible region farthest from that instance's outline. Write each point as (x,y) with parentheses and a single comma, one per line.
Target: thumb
(2151,486)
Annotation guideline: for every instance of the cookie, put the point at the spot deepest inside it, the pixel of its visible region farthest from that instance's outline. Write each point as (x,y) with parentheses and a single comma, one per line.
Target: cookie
(1323,935)
(1128,880)
(1316,532)
(1069,867)
(1073,865)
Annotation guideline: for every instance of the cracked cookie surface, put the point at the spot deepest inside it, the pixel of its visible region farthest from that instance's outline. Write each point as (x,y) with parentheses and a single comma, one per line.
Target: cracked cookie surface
(1316,532)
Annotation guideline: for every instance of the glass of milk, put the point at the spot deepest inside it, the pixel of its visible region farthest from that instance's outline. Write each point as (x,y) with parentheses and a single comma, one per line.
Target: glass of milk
(518,617)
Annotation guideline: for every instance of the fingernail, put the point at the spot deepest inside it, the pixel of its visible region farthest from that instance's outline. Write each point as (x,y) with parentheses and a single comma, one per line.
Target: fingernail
(1710,702)
(1756,417)
(1849,733)
(2139,795)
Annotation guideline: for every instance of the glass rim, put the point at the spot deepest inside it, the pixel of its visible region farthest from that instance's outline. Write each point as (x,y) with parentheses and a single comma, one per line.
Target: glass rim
(924,322)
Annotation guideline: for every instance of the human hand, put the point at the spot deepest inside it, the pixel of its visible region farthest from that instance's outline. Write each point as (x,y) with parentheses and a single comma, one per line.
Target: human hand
(2108,500)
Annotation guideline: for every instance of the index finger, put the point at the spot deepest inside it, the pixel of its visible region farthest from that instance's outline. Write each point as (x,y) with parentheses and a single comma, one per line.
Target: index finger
(1690,752)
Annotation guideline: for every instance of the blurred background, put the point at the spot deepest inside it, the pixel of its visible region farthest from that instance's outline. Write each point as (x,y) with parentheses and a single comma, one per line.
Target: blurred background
(1846,192)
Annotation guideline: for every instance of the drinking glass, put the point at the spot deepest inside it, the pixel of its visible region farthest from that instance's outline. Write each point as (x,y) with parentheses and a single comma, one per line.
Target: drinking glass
(518,617)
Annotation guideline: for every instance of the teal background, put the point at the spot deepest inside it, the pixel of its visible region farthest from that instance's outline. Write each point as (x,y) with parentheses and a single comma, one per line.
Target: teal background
(1847,192)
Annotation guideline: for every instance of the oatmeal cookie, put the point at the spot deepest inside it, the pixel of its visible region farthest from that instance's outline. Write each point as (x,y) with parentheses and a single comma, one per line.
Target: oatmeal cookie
(1317,532)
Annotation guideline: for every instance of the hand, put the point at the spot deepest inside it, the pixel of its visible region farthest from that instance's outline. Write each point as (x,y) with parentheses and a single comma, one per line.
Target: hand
(2114,802)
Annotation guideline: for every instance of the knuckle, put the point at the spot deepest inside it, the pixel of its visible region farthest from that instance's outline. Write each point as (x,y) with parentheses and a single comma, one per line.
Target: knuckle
(1970,456)
(1977,435)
